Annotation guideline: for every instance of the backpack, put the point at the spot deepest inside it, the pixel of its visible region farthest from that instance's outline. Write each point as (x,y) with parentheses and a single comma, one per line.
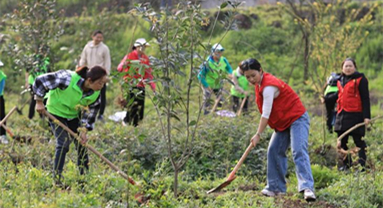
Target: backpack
(333,79)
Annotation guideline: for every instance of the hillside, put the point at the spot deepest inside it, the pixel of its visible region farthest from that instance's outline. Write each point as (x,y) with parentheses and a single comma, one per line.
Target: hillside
(174,130)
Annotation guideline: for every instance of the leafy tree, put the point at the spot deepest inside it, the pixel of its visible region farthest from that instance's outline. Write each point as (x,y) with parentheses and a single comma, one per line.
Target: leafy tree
(36,24)
(333,32)
(179,40)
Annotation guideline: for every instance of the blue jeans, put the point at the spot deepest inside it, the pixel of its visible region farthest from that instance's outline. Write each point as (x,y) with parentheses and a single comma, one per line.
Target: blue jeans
(297,137)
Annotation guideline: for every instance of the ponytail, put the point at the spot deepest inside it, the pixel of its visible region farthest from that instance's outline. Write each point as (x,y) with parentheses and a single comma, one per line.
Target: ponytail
(82,71)
(93,73)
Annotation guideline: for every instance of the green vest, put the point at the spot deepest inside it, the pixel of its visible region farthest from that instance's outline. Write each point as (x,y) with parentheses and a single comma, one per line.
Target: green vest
(65,103)
(40,69)
(2,77)
(242,82)
(213,76)
(330,89)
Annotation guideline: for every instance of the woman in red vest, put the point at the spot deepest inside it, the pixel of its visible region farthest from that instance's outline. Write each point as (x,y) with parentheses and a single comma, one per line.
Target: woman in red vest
(353,107)
(283,111)
(136,81)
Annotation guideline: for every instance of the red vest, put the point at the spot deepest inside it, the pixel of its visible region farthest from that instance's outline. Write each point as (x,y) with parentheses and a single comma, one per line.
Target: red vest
(287,107)
(143,60)
(349,97)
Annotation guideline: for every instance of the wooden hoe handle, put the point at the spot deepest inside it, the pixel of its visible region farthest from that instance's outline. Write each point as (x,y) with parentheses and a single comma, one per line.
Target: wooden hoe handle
(242,104)
(232,174)
(114,167)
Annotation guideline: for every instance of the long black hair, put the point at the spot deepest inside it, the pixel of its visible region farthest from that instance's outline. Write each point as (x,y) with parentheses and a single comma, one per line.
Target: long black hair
(94,73)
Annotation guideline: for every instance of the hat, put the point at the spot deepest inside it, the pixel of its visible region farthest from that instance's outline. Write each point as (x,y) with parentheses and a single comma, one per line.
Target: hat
(141,42)
(1,63)
(217,47)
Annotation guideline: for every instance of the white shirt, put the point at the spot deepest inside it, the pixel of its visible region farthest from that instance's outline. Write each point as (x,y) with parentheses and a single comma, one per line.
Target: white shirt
(269,94)
(96,55)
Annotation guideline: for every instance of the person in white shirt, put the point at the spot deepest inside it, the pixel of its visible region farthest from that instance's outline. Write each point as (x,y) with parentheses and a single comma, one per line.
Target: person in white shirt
(96,53)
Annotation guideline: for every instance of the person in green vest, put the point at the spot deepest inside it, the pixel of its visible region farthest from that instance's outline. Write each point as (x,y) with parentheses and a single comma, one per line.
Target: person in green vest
(212,72)
(3,136)
(240,90)
(331,88)
(68,92)
(40,65)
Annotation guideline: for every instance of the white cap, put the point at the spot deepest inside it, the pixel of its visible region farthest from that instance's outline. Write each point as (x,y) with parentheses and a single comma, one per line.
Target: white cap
(141,42)
(1,63)
(217,47)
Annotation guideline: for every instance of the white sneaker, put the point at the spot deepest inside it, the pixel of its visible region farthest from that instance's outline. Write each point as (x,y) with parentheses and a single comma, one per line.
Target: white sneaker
(309,195)
(272,193)
(3,139)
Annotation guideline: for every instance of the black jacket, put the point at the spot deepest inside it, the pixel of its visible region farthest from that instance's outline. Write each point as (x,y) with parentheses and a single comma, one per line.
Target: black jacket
(346,120)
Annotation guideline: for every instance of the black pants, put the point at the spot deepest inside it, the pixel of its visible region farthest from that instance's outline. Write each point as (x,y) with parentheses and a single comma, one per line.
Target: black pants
(2,114)
(32,104)
(237,101)
(331,113)
(62,146)
(359,142)
(103,101)
(136,104)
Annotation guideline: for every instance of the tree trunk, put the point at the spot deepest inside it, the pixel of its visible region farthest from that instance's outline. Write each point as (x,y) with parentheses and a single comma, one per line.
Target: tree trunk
(175,182)
(306,56)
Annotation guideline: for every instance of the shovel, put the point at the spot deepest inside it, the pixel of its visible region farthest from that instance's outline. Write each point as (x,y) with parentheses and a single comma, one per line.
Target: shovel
(242,104)
(232,174)
(111,165)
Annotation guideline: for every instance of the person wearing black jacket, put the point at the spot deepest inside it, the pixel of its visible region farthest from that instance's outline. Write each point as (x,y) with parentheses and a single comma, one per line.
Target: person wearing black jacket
(353,102)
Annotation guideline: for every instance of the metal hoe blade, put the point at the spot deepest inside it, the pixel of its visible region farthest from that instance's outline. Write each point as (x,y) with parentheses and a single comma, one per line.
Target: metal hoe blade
(223,185)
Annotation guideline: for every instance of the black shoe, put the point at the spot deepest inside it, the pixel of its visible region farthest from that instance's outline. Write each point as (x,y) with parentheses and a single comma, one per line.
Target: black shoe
(58,180)
(101,118)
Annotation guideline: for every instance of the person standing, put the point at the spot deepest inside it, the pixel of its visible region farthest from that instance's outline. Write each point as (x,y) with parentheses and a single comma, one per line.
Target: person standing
(353,107)
(211,75)
(284,112)
(330,90)
(41,65)
(3,77)
(67,91)
(96,53)
(136,81)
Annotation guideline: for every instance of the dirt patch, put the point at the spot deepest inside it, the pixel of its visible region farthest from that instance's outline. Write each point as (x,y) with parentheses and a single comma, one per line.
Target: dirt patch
(251,187)
(297,203)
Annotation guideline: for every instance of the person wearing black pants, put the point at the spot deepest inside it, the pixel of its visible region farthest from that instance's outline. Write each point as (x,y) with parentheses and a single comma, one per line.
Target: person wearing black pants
(135,112)
(2,115)
(71,93)
(62,145)
(32,105)
(3,77)
(353,107)
(237,104)
(136,81)
(331,113)
(359,142)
